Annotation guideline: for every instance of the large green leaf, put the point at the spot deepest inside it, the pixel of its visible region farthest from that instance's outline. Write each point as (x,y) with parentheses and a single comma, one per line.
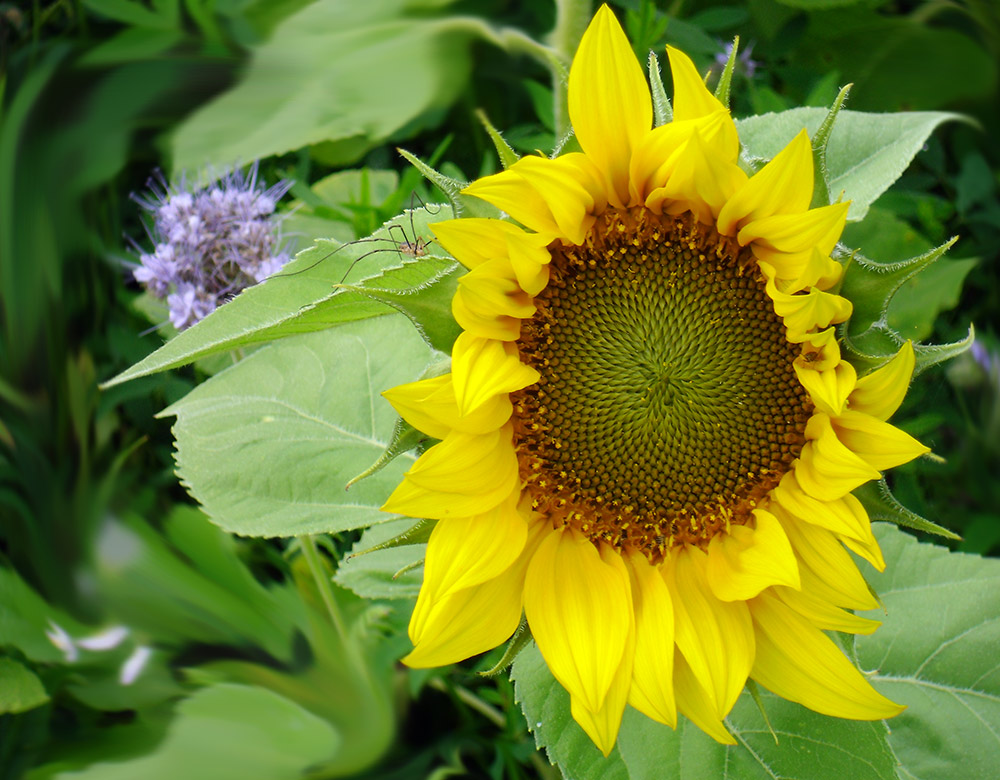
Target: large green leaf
(230,732)
(866,152)
(338,70)
(809,747)
(936,652)
(268,445)
(308,295)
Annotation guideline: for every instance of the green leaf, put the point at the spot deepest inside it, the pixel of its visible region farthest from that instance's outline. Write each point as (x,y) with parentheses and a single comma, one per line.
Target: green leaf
(132,44)
(306,297)
(230,732)
(811,746)
(866,153)
(20,688)
(188,584)
(898,63)
(337,70)
(370,570)
(936,652)
(268,446)
(25,617)
(426,304)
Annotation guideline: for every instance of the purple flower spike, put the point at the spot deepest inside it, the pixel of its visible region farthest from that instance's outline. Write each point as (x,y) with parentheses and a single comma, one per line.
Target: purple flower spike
(210,243)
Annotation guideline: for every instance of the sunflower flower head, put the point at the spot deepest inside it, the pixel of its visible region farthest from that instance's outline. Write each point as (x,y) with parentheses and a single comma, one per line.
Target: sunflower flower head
(649,437)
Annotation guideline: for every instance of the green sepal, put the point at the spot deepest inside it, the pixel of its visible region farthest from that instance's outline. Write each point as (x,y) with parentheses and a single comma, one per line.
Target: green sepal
(404,438)
(507,155)
(418,533)
(517,643)
(880,342)
(754,692)
(821,173)
(409,567)
(463,205)
(662,110)
(871,285)
(726,79)
(881,504)
(427,305)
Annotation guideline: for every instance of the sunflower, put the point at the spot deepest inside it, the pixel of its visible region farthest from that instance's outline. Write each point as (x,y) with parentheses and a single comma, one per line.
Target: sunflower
(649,437)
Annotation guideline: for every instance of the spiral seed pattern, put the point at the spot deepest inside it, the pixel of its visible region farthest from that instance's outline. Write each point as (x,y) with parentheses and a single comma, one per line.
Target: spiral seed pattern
(667,405)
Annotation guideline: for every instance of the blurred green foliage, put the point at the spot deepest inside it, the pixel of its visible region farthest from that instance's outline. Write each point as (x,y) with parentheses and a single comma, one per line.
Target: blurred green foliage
(96,534)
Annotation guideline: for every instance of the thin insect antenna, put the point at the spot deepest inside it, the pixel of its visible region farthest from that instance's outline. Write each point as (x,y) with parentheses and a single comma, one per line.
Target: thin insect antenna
(328,255)
(152,329)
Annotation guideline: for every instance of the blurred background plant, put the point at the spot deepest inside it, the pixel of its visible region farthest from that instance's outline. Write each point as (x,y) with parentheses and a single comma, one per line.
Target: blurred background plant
(137,639)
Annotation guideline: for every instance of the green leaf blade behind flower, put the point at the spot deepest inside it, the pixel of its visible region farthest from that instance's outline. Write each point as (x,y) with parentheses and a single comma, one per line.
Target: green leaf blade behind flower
(936,652)
(268,446)
(306,295)
(866,153)
(339,73)
(810,747)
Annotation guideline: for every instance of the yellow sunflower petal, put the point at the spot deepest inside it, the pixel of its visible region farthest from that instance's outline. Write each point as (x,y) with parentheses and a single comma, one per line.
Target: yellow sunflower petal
(659,151)
(484,368)
(513,194)
(653,673)
(579,608)
(798,662)
(472,313)
(529,259)
(430,406)
(473,241)
(819,229)
(826,569)
(808,311)
(843,516)
(878,443)
(602,726)
(463,475)
(865,548)
(880,393)
(828,389)
(609,102)
(716,637)
(472,620)
(696,704)
(783,186)
(823,614)
(826,468)
(467,551)
(797,271)
(568,200)
(692,100)
(701,182)
(744,561)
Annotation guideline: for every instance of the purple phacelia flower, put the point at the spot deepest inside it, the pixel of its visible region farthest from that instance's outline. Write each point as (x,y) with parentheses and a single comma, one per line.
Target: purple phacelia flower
(210,243)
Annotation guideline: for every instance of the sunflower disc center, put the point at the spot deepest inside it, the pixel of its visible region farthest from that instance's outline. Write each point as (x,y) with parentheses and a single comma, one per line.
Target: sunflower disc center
(667,405)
